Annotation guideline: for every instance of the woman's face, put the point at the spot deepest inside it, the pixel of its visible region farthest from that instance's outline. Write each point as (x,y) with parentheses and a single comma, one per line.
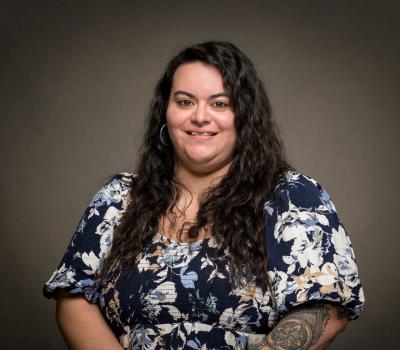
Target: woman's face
(201,123)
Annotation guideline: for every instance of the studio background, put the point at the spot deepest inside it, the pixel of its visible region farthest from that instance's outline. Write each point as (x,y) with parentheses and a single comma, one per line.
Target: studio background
(76,78)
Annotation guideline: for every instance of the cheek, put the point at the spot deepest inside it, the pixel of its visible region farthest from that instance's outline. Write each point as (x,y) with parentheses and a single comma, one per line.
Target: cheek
(174,116)
(174,121)
(233,131)
(227,123)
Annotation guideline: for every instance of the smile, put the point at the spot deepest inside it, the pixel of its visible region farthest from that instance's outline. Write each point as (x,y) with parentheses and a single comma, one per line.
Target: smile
(195,133)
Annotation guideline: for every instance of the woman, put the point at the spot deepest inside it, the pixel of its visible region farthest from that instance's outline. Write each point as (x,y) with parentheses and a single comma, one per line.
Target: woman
(217,243)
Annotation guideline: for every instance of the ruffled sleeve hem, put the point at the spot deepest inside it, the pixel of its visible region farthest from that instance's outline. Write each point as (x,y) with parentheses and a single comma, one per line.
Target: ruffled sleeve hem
(339,292)
(351,306)
(65,279)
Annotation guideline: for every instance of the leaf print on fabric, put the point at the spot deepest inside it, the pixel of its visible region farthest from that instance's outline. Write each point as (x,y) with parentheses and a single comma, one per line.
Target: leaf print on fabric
(92,212)
(112,192)
(326,277)
(142,338)
(188,278)
(63,276)
(162,274)
(164,293)
(211,303)
(216,274)
(341,242)
(175,253)
(348,269)
(268,207)
(234,341)
(304,251)
(195,344)
(144,264)
(92,261)
(111,307)
(205,262)
(106,230)
(178,295)
(297,218)
(81,226)
(173,311)
(242,317)
(226,318)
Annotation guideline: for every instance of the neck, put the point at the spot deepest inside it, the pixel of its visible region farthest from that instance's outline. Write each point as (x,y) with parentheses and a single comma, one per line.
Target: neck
(197,183)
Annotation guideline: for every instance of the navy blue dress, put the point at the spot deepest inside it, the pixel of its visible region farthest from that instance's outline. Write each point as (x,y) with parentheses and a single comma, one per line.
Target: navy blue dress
(178,295)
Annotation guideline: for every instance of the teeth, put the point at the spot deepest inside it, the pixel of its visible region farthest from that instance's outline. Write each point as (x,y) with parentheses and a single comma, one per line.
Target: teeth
(201,133)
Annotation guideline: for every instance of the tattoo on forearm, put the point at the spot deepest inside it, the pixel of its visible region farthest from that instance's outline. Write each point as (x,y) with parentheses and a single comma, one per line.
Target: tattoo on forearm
(300,330)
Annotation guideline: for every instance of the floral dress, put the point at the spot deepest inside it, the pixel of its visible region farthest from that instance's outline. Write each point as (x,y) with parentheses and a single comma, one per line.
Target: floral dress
(178,295)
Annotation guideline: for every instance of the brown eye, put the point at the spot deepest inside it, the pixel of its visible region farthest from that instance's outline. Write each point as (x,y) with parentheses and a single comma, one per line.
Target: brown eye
(185,103)
(220,104)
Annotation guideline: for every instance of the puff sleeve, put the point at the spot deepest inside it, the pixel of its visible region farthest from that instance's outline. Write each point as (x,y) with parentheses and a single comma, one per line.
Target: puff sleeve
(91,241)
(310,253)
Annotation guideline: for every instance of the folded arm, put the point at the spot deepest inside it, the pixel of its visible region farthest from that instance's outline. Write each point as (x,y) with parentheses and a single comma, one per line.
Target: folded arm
(309,327)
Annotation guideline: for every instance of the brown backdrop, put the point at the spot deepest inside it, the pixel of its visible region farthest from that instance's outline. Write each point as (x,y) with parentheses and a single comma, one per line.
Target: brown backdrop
(75,81)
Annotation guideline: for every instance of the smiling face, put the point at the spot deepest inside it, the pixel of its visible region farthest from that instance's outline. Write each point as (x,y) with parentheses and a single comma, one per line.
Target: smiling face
(201,123)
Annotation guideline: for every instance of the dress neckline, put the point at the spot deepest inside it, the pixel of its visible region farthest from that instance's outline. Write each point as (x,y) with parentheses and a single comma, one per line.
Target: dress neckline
(161,237)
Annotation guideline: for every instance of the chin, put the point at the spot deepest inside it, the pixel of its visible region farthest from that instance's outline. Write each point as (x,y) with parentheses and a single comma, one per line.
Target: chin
(206,165)
(200,157)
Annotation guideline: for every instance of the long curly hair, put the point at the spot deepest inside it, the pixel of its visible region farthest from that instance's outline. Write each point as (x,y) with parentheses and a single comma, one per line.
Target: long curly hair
(234,208)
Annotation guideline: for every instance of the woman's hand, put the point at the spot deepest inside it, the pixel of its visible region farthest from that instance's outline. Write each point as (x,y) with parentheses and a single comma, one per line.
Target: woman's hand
(309,327)
(82,324)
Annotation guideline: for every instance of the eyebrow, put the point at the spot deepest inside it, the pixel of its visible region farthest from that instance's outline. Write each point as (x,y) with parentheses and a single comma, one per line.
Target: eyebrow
(181,92)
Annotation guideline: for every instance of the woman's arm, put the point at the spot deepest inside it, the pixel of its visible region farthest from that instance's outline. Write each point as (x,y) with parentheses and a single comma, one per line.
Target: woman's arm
(309,327)
(82,324)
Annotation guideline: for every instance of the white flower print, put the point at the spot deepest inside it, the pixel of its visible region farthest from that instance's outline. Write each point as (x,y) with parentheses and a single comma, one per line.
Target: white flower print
(178,295)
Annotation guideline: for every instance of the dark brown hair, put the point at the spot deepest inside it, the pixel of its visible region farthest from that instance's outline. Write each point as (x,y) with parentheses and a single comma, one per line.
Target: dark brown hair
(234,209)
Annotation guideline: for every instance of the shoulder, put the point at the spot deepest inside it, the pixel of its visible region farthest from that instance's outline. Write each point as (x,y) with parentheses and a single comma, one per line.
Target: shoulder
(123,179)
(300,206)
(114,191)
(295,189)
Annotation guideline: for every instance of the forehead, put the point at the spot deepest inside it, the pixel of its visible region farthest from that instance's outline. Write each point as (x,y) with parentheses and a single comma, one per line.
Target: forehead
(198,76)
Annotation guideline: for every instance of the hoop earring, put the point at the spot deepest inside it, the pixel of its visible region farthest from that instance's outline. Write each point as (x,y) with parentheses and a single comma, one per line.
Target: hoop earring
(162,137)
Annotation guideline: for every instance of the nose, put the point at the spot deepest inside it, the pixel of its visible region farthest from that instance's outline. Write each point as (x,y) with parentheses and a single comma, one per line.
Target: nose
(200,115)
